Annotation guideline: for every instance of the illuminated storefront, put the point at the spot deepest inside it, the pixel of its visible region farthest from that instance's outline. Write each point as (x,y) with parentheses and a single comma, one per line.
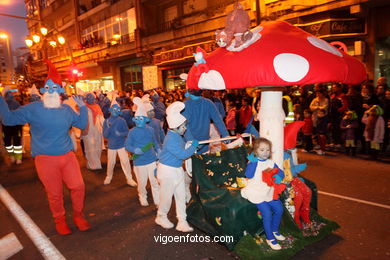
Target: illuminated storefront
(104,84)
(172,63)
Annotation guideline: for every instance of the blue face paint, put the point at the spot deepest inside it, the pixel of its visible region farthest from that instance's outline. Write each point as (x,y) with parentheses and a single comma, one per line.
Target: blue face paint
(115,110)
(140,121)
(90,98)
(51,87)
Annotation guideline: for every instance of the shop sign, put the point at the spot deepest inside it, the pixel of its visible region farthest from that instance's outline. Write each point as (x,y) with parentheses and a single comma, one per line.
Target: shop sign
(335,27)
(150,77)
(182,53)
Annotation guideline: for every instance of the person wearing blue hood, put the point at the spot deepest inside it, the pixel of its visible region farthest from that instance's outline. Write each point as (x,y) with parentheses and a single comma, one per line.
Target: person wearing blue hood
(104,104)
(115,130)
(13,134)
(142,143)
(200,112)
(52,148)
(153,122)
(159,107)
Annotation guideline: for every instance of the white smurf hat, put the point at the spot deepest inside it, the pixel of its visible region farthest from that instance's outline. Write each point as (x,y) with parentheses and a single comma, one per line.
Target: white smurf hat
(141,111)
(174,117)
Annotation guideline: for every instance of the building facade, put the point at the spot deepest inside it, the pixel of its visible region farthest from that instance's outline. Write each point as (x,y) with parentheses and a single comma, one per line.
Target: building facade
(6,61)
(109,42)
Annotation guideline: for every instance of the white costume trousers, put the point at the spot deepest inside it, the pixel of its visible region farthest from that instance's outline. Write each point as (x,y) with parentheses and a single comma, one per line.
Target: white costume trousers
(143,173)
(124,160)
(172,183)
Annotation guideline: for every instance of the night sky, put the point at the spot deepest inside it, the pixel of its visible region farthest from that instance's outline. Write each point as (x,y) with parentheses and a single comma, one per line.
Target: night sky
(17,28)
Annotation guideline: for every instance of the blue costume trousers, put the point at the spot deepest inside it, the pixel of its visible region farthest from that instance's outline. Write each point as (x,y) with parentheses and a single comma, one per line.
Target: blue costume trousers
(271,213)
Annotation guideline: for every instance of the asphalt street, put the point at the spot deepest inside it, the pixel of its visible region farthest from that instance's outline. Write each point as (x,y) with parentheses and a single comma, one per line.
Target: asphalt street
(354,192)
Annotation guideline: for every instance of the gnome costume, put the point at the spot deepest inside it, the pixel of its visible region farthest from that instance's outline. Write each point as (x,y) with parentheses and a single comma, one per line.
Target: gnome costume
(115,130)
(143,144)
(93,135)
(52,147)
(170,173)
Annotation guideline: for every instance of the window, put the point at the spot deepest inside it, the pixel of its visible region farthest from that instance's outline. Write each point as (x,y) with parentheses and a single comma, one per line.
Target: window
(123,24)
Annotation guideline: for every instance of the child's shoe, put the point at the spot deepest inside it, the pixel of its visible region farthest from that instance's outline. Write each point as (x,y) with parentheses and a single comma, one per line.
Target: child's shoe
(61,227)
(279,236)
(164,222)
(132,183)
(320,152)
(107,180)
(18,161)
(143,202)
(273,244)
(81,223)
(183,226)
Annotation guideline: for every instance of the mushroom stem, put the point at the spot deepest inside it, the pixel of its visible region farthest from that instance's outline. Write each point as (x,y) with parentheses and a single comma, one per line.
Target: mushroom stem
(271,118)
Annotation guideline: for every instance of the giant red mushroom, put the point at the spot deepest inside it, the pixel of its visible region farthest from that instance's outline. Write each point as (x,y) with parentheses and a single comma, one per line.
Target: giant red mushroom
(283,55)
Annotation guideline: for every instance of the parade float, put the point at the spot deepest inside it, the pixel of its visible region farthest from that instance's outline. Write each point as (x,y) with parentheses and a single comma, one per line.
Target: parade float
(271,57)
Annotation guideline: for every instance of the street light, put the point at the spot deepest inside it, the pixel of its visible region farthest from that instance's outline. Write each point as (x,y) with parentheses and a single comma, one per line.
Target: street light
(3,36)
(36,38)
(61,40)
(43,31)
(29,42)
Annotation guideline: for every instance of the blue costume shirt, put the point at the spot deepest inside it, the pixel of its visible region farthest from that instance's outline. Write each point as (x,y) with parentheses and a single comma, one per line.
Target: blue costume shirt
(139,137)
(199,114)
(49,126)
(127,115)
(174,152)
(158,131)
(104,104)
(115,130)
(159,108)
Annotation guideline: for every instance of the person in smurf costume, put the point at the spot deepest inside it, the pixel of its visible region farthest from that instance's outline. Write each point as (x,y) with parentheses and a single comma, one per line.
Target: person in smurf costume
(115,130)
(153,122)
(93,135)
(142,143)
(52,148)
(200,112)
(170,173)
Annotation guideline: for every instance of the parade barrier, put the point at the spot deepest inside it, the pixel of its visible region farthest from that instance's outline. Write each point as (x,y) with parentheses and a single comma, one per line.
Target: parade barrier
(217,208)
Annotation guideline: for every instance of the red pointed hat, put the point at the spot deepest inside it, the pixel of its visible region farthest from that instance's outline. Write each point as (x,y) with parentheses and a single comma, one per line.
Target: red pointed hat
(53,73)
(290,134)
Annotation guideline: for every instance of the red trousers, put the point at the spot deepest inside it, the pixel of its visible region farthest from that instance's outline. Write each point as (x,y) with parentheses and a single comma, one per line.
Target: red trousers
(302,197)
(53,171)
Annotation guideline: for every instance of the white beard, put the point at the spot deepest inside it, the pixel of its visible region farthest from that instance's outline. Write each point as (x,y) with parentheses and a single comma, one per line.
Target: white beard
(51,100)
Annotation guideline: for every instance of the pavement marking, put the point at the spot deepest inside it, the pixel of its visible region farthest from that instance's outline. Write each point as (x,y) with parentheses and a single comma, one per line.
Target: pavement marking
(356,200)
(47,249)
(9,246)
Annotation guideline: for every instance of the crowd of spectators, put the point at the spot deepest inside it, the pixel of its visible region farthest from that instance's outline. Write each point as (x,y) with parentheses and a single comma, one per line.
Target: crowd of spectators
(327,110)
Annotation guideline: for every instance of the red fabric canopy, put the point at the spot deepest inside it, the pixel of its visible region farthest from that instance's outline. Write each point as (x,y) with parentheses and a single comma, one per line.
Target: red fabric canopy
(284,55)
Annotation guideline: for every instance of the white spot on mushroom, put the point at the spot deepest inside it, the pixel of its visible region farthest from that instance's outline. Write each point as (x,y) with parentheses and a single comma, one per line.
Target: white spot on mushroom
(291,67)
(211,80)
(323,45)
